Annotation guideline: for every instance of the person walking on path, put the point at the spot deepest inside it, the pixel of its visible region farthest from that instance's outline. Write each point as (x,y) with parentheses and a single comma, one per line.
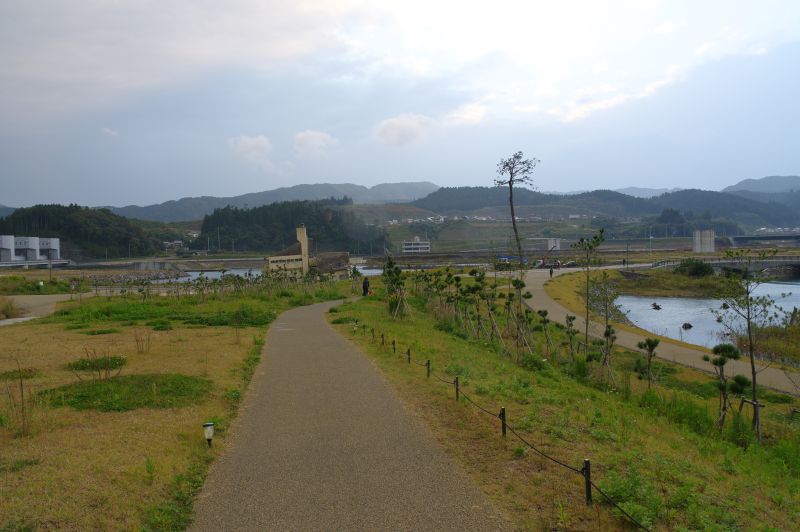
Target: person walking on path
(365,286)
(551,272)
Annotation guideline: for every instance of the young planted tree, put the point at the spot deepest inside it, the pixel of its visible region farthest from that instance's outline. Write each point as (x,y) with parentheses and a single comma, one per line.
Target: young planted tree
(722,354)
(588,246)
(571,332)
(515,171)
(743,311)
(649,346)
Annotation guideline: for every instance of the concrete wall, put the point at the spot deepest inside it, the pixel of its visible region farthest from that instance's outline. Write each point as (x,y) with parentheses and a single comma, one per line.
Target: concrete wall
(704,241)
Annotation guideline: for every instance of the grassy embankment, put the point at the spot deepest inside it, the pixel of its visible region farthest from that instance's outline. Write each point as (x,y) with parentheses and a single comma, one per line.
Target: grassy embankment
(656,452)
(110,435)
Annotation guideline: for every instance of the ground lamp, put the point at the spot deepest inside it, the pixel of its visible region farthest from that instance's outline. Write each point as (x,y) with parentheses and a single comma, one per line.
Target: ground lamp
(208,432)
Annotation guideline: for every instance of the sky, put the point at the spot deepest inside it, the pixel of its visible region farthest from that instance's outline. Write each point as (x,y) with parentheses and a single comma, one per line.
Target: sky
(140,102)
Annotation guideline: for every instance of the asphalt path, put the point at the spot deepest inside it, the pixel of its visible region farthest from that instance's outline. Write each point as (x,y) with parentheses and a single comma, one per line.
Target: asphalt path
(322,442)
(34,306)
(770,377)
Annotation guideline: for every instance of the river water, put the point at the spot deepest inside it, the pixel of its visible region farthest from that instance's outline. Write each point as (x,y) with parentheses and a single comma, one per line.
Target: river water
(705,331)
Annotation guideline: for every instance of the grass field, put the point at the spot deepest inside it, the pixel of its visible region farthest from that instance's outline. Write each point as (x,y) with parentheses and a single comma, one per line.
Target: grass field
(111,433)
(656,452)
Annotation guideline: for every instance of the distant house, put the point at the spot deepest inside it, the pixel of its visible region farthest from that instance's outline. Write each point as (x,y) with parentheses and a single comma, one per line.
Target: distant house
(416,246)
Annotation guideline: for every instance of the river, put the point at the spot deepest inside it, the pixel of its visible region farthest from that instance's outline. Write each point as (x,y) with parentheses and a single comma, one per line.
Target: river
(705,331)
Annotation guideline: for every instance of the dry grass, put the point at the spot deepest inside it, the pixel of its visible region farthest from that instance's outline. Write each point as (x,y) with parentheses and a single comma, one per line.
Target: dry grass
(8,309)
(91,471)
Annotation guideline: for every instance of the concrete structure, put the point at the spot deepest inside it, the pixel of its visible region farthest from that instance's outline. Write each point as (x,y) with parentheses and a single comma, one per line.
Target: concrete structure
(28,248)
(704,241)
(554,244)
(416,246)
(293,259)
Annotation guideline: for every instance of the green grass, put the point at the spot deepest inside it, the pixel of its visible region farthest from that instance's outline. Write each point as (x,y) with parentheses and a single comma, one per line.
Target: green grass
(17,465)
(16,374)
(658,452)
(19,285)
(129,392)
(97,364)
(98,332)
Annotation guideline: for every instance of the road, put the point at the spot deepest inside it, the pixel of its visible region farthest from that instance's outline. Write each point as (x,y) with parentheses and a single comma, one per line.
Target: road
(769,376)
(322,442)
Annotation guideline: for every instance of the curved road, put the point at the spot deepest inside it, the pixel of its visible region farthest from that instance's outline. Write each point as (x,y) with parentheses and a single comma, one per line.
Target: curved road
(770,377)
(323,443)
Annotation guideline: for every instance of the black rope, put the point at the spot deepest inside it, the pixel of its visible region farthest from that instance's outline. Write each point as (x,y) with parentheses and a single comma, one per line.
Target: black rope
(441,379)
(479,407)
(618,507)
(529,444)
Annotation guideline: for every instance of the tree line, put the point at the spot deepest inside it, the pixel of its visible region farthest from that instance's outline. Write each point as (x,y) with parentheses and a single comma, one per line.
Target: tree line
(271,228)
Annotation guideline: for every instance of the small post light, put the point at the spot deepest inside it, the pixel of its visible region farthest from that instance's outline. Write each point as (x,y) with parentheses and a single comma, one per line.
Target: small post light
(208,432)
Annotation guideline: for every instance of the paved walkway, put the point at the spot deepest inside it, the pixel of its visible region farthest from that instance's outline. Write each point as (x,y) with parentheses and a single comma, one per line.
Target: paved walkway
(34,306)
(770,377)
(323,443)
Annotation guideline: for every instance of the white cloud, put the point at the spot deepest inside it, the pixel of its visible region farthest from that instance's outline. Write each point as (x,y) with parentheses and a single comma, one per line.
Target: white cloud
(403,129)
(467,114)
(665,29)
(253,151)
(61,58)
(310,143)
(108,131)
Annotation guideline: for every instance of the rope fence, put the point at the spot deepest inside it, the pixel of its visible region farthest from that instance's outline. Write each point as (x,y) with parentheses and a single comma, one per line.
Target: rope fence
(585,471)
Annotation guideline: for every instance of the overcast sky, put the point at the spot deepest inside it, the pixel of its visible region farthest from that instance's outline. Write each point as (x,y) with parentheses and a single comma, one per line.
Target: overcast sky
(115,103)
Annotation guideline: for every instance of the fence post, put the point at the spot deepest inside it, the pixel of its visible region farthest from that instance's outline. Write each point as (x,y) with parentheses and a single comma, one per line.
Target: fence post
(373,334)
(587,475)
(383,340)
(456,383)
(502,417)
(394,347)
(428,368)
(364,328)
(408,355)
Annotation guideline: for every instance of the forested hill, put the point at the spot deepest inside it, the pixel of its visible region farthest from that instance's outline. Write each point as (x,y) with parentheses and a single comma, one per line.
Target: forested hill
(613,204)
(84,232)
(271,228)
(197,207)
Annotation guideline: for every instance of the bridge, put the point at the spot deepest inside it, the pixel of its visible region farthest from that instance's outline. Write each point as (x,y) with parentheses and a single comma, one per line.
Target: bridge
(773,263)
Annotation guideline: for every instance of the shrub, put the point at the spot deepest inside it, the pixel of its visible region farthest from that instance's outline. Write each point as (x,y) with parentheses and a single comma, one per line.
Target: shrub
(160,325)
(694,268)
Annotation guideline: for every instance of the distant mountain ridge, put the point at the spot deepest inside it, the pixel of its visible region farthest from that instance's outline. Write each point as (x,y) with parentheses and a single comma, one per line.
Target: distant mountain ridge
(608,203)
(773,184)
(196,208)
(5,211)
(638,192)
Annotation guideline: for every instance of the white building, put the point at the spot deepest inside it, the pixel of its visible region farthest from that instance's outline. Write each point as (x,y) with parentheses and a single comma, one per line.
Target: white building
(416,246)
(28,248)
